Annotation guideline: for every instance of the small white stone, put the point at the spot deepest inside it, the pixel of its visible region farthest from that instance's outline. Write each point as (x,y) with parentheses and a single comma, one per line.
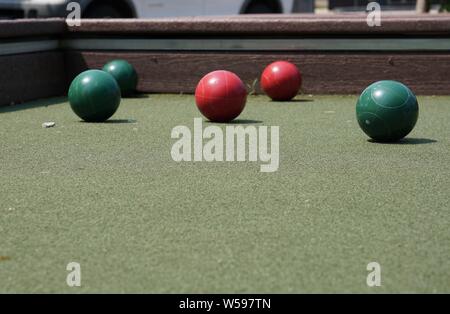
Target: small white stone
(47,125)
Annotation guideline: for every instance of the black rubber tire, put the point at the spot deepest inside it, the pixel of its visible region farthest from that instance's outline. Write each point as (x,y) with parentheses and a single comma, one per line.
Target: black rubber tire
(259,8)
(102,11)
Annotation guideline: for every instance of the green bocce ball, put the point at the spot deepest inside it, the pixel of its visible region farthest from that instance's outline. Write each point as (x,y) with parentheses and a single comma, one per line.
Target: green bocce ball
(387,111)
(125,75)
(94,96)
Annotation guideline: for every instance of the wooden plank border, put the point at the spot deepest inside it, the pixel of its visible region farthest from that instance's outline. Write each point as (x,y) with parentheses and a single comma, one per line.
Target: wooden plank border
(35,67)
(299,24)
(324,73)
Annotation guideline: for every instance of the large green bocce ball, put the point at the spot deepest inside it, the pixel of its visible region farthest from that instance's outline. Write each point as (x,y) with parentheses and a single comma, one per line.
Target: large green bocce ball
(387,111)
(94,96)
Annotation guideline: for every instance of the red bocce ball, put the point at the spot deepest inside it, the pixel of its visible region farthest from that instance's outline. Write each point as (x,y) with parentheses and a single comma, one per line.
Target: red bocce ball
(281,81)
(221,96)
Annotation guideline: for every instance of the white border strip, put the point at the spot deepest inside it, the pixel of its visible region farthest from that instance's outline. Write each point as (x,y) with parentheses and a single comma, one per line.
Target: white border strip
(305,44)
(377,44)
(28,46)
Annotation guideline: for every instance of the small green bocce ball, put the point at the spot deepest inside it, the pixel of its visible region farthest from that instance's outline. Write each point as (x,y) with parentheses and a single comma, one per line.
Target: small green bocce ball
(125,75)
(94,96)
(387,111)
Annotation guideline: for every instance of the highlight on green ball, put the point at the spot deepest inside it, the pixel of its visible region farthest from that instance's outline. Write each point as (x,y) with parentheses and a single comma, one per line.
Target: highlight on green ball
(387,111)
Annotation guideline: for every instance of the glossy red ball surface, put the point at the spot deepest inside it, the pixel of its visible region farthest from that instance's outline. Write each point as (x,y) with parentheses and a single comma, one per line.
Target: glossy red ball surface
(221,96)
(281,81)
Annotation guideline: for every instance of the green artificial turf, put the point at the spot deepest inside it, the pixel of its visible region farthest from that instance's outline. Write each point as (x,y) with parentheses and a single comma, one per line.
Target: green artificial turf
(109,197)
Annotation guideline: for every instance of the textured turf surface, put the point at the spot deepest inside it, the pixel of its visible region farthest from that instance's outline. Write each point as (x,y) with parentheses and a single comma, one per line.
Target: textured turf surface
(110,197)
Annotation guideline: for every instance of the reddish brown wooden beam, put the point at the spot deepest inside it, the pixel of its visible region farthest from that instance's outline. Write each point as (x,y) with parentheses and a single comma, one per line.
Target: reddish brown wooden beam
(270,25)
(332,73)
(32,27)
(299,24)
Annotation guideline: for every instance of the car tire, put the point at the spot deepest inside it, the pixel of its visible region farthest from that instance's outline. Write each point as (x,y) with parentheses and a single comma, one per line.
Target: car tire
(259,8)
(102,11)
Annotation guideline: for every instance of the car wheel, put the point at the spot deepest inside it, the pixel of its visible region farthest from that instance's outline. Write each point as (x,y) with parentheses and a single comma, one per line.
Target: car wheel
(102,11)
(259,8)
